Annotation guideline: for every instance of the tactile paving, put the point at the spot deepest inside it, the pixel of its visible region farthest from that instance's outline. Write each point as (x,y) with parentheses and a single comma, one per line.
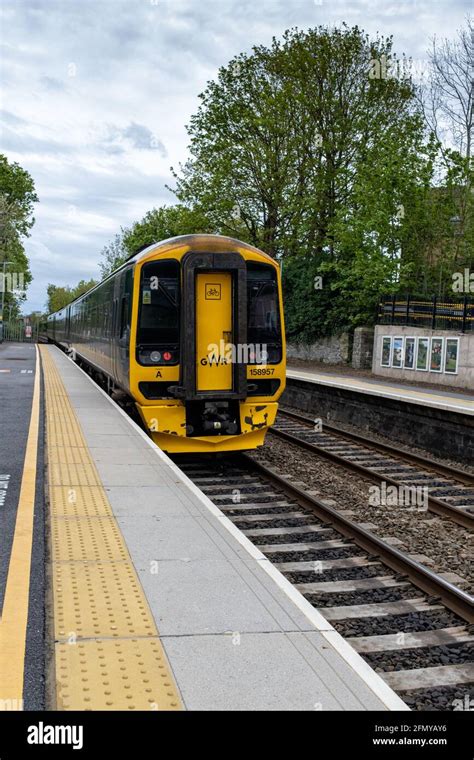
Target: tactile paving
(70,455)
(99,599)
(99,604)
(79,501)
(72,474)
(87,538)
(131,674)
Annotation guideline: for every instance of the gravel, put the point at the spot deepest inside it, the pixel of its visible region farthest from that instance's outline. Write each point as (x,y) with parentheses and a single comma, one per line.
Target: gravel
(441,698)
(382,662)
(429,657)
(372,596)
(446,544)
(339,574)
(411,623)
(378,438)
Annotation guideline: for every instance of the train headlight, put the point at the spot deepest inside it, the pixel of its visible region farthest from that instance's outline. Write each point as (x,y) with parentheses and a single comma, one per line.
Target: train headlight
(155,356)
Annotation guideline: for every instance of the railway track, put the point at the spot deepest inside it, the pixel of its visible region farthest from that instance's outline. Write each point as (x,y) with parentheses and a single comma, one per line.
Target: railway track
(412,625)
(450,491)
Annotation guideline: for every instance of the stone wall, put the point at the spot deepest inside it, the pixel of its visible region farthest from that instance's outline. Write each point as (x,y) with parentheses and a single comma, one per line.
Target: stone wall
(437,431)
(362,347)
(463,378)
(332,350)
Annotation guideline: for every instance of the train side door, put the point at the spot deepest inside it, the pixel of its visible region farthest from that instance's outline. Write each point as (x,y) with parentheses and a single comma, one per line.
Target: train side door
(214,359)
(123,322)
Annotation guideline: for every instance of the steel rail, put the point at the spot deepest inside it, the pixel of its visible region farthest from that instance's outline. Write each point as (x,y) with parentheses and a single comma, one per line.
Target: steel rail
(454,598)
(436,505)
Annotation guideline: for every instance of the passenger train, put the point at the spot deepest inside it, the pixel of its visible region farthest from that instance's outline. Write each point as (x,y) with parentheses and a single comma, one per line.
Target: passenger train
(191,329)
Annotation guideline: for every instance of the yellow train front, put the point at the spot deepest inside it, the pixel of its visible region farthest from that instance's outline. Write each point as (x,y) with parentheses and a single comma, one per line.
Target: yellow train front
(193,331)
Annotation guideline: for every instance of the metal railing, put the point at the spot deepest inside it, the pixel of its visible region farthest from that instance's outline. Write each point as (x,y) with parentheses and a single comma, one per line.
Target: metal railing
(17,331)
(431,313)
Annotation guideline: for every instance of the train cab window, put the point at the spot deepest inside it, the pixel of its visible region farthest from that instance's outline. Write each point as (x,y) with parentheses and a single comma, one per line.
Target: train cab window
(263,312)
(158,321)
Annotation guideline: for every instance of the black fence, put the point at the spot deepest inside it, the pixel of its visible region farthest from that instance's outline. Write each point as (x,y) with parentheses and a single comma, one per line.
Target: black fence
(432,313)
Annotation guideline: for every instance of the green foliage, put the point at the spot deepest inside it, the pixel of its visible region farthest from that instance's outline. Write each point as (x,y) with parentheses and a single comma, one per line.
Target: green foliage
(162,223)
(323,163)
(17,196)
(158,224)
(113,255)
(312,150)
(60,296)
(308,301)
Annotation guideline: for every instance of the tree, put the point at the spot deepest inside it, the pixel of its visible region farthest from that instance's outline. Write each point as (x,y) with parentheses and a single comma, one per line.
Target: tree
(61,295)
(448,96)
(113,255)
(309,150)
(158,224)
(58,297)
(162,223)
(17,197)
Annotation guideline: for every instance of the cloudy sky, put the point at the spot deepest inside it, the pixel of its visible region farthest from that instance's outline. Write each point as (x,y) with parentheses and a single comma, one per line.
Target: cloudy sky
(97,93)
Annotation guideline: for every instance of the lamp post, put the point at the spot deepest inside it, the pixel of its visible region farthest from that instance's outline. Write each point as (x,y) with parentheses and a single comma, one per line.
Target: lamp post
(2,299)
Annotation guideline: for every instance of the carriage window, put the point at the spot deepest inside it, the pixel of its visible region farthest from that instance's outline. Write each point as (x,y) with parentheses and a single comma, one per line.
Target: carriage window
(263,317)
(124,317)
(159,310)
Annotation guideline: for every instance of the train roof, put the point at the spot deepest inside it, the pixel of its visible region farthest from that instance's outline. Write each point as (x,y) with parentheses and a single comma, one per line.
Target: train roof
(207,241)
(216,243)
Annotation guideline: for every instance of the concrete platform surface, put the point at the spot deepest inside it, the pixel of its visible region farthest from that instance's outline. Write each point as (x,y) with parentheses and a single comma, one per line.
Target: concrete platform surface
(236,633)
(439,399)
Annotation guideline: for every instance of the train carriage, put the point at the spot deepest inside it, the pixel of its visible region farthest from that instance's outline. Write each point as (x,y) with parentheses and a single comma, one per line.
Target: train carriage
(192,330)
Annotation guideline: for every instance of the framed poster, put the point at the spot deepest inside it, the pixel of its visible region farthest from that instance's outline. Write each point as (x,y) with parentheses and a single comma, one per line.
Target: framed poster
(422,353)
(436,355)
(386,351)
(409,358)
(397,356)
(451,355)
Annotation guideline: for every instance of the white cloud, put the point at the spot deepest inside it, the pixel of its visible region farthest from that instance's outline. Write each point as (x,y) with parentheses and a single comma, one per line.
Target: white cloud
(98,93)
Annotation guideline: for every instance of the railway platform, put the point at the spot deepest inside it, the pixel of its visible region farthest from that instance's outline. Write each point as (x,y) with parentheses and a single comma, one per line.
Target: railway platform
(451,401)
(144,596)
(440,422)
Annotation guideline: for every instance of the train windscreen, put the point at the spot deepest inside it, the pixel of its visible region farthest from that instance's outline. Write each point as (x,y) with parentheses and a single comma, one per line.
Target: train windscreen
(158,322)
(263,314)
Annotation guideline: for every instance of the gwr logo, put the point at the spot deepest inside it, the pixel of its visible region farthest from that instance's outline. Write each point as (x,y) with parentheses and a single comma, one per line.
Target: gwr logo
(213,291)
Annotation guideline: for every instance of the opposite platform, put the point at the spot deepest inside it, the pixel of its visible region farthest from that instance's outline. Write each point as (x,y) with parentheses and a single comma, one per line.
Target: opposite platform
(158,596)
(436,399)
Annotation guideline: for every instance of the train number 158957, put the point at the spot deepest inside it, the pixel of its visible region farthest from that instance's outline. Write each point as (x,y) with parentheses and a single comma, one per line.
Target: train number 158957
(262,371)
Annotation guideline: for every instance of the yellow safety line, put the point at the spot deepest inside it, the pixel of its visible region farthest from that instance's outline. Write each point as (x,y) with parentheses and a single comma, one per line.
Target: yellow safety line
(108,654)
(15,606)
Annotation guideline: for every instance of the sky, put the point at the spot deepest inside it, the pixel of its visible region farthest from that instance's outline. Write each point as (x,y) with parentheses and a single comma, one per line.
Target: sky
(96,95)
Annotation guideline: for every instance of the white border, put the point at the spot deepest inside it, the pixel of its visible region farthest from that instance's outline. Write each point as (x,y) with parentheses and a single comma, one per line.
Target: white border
(449,372)
(398,337)
(384,337)
(413,338)
(428,354)
(441,364)
(375,682)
